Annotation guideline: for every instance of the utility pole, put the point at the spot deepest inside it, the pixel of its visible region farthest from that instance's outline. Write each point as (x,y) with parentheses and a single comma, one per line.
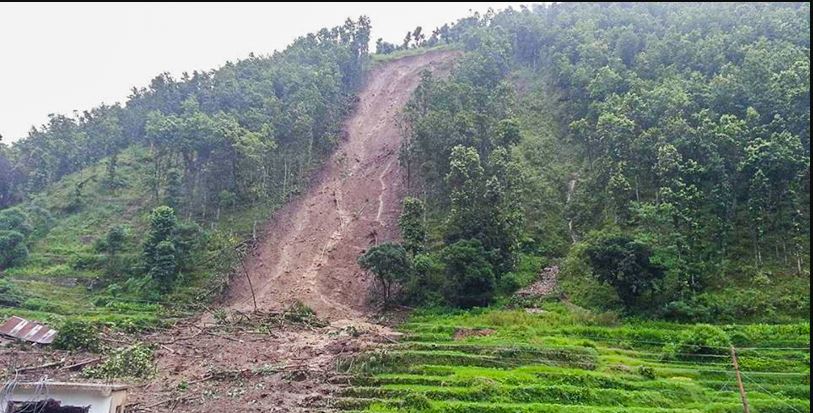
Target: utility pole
(745,407)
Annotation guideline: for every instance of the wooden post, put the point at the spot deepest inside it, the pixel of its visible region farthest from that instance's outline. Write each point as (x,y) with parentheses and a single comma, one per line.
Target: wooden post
(253,297)
(745,407)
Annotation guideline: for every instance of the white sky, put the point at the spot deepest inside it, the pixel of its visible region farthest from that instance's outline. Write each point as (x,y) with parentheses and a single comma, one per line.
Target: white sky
(57,58)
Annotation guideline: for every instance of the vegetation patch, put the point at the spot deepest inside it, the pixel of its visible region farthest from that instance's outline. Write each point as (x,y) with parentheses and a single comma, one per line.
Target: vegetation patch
(543,362)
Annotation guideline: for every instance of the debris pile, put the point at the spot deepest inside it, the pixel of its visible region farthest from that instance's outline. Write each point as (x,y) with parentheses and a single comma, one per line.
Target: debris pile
(545,287)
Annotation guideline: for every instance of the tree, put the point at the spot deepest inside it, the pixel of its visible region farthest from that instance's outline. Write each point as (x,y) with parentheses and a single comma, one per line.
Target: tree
(382,47)
(112,180)
(624,263)
(8,176)
(12,248)
(627,46)
(164,268)
(418,35)
(159,251)
(469,275)
(481,207)
(390,264)
(113,243)
(174,191)
(508,133)
(413,229)
(465,180)
(15,219)
(407,39)
(114,240)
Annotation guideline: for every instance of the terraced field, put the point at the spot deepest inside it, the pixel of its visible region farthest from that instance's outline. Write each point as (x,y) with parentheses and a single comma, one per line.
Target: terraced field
(564,359)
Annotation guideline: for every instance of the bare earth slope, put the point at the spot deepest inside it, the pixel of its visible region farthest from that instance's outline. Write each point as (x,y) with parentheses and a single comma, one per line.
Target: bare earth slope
(308,254)
(311,245)
(257,362)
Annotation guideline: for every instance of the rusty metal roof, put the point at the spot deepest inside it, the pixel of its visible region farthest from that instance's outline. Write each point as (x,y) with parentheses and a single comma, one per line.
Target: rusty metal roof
(23,329)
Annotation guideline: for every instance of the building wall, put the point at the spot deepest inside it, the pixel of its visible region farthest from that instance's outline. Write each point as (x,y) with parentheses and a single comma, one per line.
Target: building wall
(98,402)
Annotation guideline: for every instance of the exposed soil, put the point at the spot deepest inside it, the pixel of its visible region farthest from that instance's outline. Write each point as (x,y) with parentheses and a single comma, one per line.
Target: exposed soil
(308,255)
(313,242)
(258,361)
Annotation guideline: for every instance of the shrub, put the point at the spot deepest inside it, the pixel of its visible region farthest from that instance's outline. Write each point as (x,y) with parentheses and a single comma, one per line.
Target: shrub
(624,263)
(685,312)
(40,304)
(135,361)
(78,335)
(469,273)
(14,219)
(10,294)
(426,285)
(415,402)
(12,248)
(82,262)
(701,339)
(646,372)
(508,284)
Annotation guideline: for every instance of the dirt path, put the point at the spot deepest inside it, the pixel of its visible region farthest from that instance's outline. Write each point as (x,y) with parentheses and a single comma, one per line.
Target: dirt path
(309,255)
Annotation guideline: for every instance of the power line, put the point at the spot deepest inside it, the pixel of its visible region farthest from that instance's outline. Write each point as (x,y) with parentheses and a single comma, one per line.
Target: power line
(662,343)
(769,392)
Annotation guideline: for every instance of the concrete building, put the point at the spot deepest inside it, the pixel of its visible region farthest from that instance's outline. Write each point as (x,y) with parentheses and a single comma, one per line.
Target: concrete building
(71,397)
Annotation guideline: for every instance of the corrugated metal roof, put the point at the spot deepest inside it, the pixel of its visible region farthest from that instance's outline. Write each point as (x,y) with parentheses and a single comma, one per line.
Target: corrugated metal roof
(23,329)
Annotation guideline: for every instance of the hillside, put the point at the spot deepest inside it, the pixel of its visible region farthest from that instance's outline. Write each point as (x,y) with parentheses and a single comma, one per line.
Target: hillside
(569,207)
(565,359)
(312,245)
(222,148)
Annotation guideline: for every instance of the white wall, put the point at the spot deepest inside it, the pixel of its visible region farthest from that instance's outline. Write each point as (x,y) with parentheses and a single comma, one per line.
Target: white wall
(98,403)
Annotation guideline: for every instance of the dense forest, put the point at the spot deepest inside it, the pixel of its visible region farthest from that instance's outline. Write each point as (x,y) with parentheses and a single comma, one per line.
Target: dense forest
(662,150)
(246,134)
(658,153)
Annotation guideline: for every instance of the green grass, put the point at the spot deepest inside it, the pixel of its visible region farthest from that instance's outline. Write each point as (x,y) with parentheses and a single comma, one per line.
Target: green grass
(56,281)
(565,359)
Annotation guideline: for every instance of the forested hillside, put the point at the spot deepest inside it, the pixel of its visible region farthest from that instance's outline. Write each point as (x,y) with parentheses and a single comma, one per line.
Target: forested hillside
(661,150)
(216,150)
(580,208)
(658,153)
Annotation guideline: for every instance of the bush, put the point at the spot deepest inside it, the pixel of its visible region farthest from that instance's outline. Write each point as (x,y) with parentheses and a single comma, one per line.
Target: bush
(426,285)
(81,262)
(685,312)
(135,361)
(700,340)
(624,263)
(646,372)
(415,402)
(12,248)
(40,304)
(470,274)
(78,335)
(508,284)
(10,295)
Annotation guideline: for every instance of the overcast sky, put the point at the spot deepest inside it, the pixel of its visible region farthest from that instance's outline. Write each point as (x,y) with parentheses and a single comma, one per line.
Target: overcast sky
(57,58)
